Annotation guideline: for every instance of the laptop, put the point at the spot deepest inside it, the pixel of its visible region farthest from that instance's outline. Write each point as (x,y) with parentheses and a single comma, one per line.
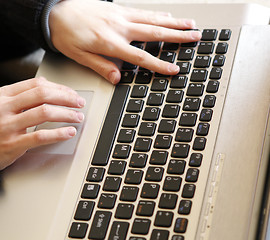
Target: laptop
(157,157)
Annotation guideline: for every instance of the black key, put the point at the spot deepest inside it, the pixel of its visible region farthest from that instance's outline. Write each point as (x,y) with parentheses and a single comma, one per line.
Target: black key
(127,76)
(178,81)
(118,230)
(151,114)
(195,160)
(209,34)
(90,191)
(219,60)
(143,77)
(126,136)
(128,66)
(78,230)
(206,48)
(188,119)
(225,34)
(130,120)
(158,234)
(95,174)
(158,157)
(184,135)
(222,48)
(199,143)
(188,191)
(124,211)
(203,129)
(177,237)
(209,101)
(186,54)
(135,105)
(170,111)
(140,226)
(180,150)
(212,86)
(150,190)
(198,75)
(192,175)
(139,91)
(154,174)
(180,225)
(84,210)
(110,126)
(184,207)
(159,85)
(202,61)
(192,104)
(133,176)
(137,238)
(145,208)
(138,160)
(147,129)
(206,115)
(153,48)
(195,89)
(117,167)
(170,46)
(172,184)
(107,200)
(184,67)
(129,194)
(163,141)
(100,225)
(215,73)
(175,96)
(166,126)
(163,219)
(168,56)
(176,166)
(143,144)
(112,184)
(121,151)
(155,99)
(167,201)
(189,44)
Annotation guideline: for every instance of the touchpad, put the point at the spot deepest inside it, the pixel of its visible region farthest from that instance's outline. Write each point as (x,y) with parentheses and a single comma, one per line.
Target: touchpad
(65,147)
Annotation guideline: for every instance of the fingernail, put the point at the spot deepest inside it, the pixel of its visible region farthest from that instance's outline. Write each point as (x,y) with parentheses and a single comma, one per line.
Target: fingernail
(196,35)
(113,77)
(72,131)
(173,68)
(80,116)
(81,101)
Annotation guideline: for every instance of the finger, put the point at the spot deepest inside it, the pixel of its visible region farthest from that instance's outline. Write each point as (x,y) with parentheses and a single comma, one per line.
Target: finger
(144,32)
(19,87)
(44,113)
(40,95)
(45,136)
(102,66)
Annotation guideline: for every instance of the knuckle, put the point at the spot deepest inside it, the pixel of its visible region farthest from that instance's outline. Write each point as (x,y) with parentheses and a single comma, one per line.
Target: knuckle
(39,81)
(44,111)
(39,137)
(157,33)
(140,56)
(41,92)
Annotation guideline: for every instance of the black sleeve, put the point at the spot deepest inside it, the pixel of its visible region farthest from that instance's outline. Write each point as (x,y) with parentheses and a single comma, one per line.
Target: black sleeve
(20,29)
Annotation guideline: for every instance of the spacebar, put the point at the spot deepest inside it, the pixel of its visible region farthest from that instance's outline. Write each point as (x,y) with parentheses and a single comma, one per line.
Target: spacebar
(110,125)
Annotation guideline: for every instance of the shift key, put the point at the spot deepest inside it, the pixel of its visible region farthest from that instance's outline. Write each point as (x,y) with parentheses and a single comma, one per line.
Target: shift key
(100,225)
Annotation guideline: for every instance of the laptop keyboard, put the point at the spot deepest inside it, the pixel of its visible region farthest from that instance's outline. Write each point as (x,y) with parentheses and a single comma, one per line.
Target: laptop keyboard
(142,180)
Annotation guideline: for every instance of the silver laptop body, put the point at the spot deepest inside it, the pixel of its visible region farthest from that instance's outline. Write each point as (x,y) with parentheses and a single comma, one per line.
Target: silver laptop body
(40,192)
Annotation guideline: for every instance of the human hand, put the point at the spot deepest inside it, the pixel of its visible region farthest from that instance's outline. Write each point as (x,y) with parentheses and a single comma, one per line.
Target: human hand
(85,30)
(23,106)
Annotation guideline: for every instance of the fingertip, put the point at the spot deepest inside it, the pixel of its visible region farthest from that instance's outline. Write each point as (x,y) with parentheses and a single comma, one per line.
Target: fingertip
(173,69)
(196,35)
(71,131)
(114,77)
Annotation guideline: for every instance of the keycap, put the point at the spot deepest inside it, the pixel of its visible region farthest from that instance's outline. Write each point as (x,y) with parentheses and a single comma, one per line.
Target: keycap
(177,237)
(138,160)
(192,175)
(145,208)
(225,34)
(117,167)
(185,207)
(137,238)
(170,46)
(180,150)
(100,225)
(135,105)
(140,226)
(139,91)
(172,183)
(153,48)
(170,111)
(199,143)
(95,174)
(147,129)
(219,60)
(188,191)
(124,211)
(184,67)
(184,135)
(142,144)
(129,193)
(155,99)
(159,85)
(119,230)
(192,104)
(195,160)
(121,151)
(206,115)
(222,48)
(163,219)
(180,225)
(151,114)
(215,73)
(112,184)
(166,126)
(133,176)
(110,126)
(188,119)
(107,200)
(78,230)
(209,101)
(129,66)
(186,54)
(126,136)
(202,61)
(209,35)
(158,157)
(130,120)
(168,56)
(206,48)
(154,174)
(203,129)
(195,89)
(175,96)
(212,86)
(167,201)
(198,75)
(176,166)
(127,76)
(143,77)
(178,81)
(163,141)
(84,210)
(158,234)
(90,191)
(150,190)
